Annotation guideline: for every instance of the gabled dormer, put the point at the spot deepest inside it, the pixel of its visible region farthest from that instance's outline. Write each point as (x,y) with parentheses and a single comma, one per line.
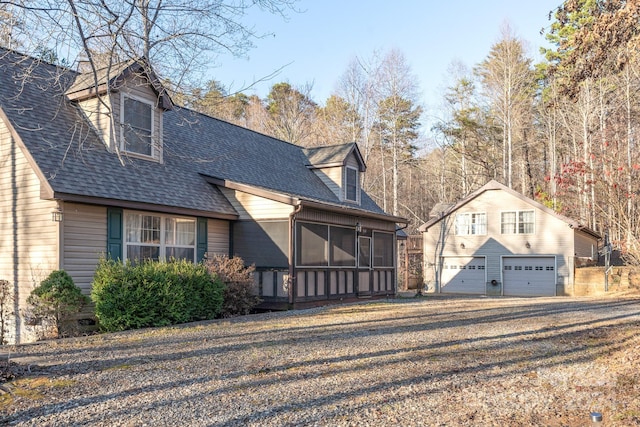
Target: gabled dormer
(125,104)
(340,167)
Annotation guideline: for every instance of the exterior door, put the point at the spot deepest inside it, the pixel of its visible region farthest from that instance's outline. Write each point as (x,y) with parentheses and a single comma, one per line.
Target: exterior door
(463,275)
(529,276)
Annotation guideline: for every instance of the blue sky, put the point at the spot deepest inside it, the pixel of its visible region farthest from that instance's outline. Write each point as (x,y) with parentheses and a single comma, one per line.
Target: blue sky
(316,46)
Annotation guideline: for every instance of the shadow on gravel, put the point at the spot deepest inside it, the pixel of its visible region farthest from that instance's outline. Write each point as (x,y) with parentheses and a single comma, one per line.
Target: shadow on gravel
(512,353)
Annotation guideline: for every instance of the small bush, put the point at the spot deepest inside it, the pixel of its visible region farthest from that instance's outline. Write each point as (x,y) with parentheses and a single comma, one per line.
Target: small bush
(55,298)
(150,293)
(238,298)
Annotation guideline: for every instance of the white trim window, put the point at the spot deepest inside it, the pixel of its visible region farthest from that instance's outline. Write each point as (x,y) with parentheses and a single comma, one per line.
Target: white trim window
(471,223)
(136,122)
(352,184)
(517,222)
(159,237)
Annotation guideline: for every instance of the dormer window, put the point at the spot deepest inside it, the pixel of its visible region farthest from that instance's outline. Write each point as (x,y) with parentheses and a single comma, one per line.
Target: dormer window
(352,184)
(137,126)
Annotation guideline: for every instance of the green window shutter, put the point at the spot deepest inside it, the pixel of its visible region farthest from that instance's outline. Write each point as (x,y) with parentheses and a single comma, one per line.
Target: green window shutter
(114,233)
(202,239)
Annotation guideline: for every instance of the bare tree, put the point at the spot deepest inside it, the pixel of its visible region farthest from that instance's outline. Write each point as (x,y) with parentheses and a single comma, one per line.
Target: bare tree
(291,113)
(507,82)
(179,37)
(398,115)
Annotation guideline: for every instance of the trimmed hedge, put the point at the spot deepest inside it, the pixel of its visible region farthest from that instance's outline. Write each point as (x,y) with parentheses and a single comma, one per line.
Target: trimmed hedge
(151,293)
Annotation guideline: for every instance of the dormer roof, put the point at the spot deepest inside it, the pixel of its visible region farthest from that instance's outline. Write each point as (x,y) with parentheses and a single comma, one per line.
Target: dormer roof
(112,77)
(333,155)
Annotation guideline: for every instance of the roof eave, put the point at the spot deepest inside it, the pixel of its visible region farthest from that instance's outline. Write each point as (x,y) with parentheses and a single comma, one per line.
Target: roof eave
(126,204)
(352,211)
(250,189)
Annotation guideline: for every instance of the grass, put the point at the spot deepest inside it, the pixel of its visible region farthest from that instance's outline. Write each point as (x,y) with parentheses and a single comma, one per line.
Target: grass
(30,388)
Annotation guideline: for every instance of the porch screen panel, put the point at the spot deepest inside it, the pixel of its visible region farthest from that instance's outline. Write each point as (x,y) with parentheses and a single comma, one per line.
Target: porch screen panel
(311,244)
(343,246)
(382,250)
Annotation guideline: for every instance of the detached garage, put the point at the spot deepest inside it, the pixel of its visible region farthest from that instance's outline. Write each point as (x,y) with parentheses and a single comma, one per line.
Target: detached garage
(496,241)
(529,276)
(463,275)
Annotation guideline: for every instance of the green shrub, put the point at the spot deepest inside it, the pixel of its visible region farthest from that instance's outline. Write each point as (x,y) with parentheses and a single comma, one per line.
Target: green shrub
(150,293)
(239,297)
(55,298)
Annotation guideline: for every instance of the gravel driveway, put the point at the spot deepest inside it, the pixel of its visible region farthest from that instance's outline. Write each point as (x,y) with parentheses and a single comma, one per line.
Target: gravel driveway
(431,361)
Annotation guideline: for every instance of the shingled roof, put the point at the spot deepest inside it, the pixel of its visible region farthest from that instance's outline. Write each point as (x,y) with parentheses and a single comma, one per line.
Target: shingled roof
(75,165)
(111,77)
(333,155)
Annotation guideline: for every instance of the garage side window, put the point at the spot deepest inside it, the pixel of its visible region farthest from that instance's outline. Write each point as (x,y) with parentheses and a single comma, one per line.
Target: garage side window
(471,223)
(517,222)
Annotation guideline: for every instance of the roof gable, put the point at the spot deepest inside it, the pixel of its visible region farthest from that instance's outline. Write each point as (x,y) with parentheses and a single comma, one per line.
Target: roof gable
(106,79)
(333,155)
(494,185)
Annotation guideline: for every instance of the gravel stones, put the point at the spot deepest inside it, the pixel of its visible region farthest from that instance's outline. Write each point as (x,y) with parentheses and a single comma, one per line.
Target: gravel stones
(424,361)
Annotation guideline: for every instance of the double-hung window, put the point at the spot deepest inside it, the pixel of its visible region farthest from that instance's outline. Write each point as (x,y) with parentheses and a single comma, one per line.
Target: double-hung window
(137,126)
(517,222)
(471,223)
(351,184)
(156,237)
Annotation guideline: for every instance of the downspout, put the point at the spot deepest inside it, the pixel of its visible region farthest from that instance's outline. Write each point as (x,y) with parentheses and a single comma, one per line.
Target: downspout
(292,224)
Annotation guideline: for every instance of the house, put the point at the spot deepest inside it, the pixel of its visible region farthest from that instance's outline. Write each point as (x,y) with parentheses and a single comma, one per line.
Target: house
(498,242)
(116,169)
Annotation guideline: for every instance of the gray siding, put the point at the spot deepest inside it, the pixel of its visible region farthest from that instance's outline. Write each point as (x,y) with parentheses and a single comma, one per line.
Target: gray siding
(352,160)
(29,242)
(218,237)
(85,240)
(586,245)
(263,243)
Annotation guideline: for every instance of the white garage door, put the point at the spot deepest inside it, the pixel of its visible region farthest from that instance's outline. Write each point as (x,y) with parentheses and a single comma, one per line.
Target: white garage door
(529,276)
(463,275)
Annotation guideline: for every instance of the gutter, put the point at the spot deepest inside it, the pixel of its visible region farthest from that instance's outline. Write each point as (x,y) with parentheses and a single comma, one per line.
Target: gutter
(292,224)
